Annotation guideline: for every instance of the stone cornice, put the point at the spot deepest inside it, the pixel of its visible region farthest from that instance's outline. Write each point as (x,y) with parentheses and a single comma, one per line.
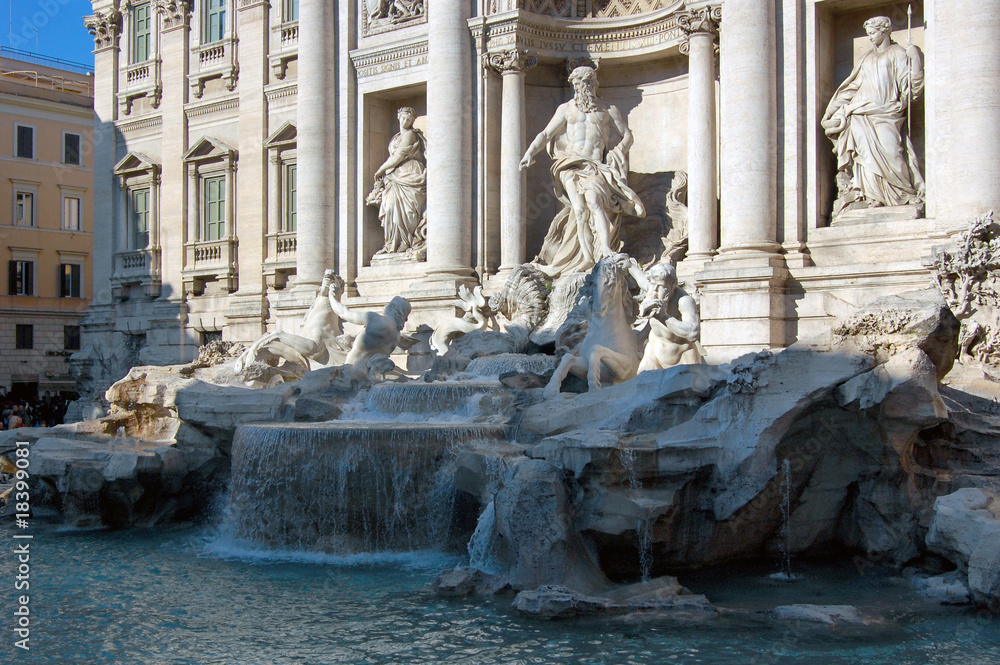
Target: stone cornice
(250,4)
(174,13)
(282,92)
(703,21)
(384,59)
(139,125)
(106,27)
(227,104)
(510,60)
(558,39)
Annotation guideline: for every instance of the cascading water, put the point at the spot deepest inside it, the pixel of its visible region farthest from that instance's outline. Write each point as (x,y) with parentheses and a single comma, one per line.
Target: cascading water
(644,526)
(481,543)
(785,542)
(378,481)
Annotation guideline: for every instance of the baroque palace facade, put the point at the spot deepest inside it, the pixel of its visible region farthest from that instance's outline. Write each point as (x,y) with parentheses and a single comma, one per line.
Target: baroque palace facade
(211,220)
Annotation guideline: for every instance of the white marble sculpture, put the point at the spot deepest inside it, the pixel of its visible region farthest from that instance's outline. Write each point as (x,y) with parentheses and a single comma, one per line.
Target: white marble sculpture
(876,162)
(314,347)
(378,340)
(393,11)
(473,303)
(590,178)
(610,349)
(400,190)
(674,325)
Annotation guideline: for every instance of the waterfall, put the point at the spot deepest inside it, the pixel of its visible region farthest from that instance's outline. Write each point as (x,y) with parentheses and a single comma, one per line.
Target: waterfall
(644,523)
(481,544)
(785,541)
(346,487)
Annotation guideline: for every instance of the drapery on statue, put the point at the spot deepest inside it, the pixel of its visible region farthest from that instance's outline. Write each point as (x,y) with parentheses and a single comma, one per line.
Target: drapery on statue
(876,161)
(674,325)
(400,190)
(590,178)
(380,335)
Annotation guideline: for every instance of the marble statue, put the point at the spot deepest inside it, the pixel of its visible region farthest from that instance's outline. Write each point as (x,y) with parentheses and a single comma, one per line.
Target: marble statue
(590,178)
(381,331)
(473,302)
(393,11)
(674,325)
(610,349)
(400,190)
(314,347)
(876,161)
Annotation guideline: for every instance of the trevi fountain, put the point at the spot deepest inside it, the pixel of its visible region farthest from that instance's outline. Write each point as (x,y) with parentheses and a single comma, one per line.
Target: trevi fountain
(616,452)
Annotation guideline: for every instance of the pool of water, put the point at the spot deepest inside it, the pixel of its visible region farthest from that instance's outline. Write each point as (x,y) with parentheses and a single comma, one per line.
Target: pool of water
(183,596)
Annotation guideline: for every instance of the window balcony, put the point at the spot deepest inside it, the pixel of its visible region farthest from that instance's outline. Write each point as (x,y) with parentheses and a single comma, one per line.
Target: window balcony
(137,267)
(284,47)
(280,262)
(141,79)
(216,59)
(210,261)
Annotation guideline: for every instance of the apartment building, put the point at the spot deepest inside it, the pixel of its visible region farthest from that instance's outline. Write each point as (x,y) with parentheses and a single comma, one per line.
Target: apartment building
(46,223)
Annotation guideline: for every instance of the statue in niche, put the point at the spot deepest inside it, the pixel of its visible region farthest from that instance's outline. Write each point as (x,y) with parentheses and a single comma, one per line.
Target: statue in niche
(589,176)
(400,191)
(876,163)
(674,324)
(372,347)
(393,11)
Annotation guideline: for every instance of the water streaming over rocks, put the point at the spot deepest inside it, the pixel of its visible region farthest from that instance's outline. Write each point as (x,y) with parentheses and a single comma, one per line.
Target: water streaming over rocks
(380,480)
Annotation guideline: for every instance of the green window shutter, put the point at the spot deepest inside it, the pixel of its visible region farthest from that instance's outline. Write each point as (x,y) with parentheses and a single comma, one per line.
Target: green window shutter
(291,197)
(141,32)
(215,206)
(140,219)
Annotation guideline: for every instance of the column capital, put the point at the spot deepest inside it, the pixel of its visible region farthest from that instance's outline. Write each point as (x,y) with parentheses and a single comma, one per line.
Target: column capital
(510,61)
(106,27)
(704,21)
(173,13)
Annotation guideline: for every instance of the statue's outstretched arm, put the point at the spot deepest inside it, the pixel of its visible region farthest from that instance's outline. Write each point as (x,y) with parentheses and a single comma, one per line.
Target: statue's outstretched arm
(555,125)
(357,318)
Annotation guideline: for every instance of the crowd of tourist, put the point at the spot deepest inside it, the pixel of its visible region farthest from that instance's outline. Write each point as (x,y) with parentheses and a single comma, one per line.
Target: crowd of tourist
(43,411)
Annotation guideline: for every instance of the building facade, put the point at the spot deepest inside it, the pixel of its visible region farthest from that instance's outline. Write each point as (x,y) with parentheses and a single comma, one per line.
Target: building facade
(213,221)
(46,223)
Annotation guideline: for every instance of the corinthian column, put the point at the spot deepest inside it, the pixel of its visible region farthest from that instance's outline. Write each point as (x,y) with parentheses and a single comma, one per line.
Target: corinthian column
(317,152)
(449,140)
(511,65)
(700,28)
(749,128)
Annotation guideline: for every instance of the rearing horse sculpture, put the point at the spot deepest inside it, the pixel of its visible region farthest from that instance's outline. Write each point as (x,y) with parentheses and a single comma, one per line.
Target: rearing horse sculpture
(610,346)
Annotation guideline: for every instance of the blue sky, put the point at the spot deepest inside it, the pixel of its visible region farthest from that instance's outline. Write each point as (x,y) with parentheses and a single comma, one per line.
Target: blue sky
(56,26)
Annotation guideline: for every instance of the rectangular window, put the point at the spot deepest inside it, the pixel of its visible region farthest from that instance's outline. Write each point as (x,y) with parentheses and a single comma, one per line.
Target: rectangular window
(140,218)
(25,142)
(20,278)
(291,197)
(71,214)
(71,149)
(71,338)
(215,208)
(141,32)
(291,10)
(69,280)
(24,336)
(24,209)
(215,20)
